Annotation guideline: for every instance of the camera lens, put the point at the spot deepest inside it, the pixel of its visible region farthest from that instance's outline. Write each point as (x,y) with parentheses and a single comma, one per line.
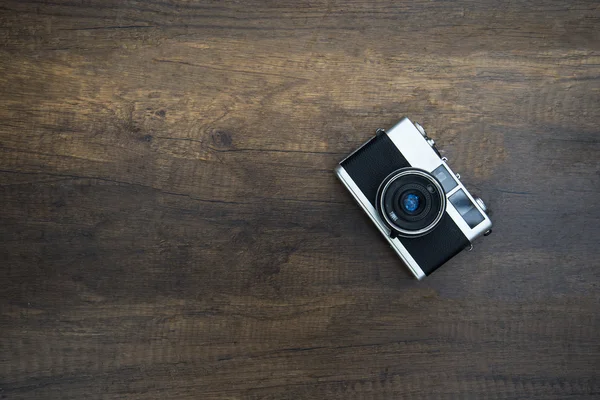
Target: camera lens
(411,201)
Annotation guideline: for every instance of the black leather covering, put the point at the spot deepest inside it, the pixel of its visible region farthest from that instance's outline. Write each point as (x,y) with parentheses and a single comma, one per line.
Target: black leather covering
(368,167)
(438,246)
(372,163)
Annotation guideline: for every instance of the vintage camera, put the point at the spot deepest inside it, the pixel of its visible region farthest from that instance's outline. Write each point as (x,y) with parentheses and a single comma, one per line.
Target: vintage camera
(399,178)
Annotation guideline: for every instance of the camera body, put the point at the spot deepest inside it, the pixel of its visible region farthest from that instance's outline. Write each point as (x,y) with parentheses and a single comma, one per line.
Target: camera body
(413,197)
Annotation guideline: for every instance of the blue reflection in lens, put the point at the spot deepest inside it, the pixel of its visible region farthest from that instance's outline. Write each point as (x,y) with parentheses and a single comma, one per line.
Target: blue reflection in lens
(411,202)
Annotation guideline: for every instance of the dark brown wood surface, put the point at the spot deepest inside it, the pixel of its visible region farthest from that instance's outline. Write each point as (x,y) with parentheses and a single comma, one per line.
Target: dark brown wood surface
(171,227)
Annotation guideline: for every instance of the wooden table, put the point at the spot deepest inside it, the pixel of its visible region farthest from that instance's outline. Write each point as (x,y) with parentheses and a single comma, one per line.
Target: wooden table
(171,227)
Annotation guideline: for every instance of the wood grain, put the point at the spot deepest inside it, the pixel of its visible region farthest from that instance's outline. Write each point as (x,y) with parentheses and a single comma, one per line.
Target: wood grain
(170,225)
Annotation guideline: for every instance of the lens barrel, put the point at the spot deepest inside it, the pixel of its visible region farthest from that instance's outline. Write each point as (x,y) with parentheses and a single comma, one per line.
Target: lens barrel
(411,201)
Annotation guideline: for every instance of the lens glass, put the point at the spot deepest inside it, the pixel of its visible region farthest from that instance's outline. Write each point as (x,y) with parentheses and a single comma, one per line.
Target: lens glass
(410,202)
